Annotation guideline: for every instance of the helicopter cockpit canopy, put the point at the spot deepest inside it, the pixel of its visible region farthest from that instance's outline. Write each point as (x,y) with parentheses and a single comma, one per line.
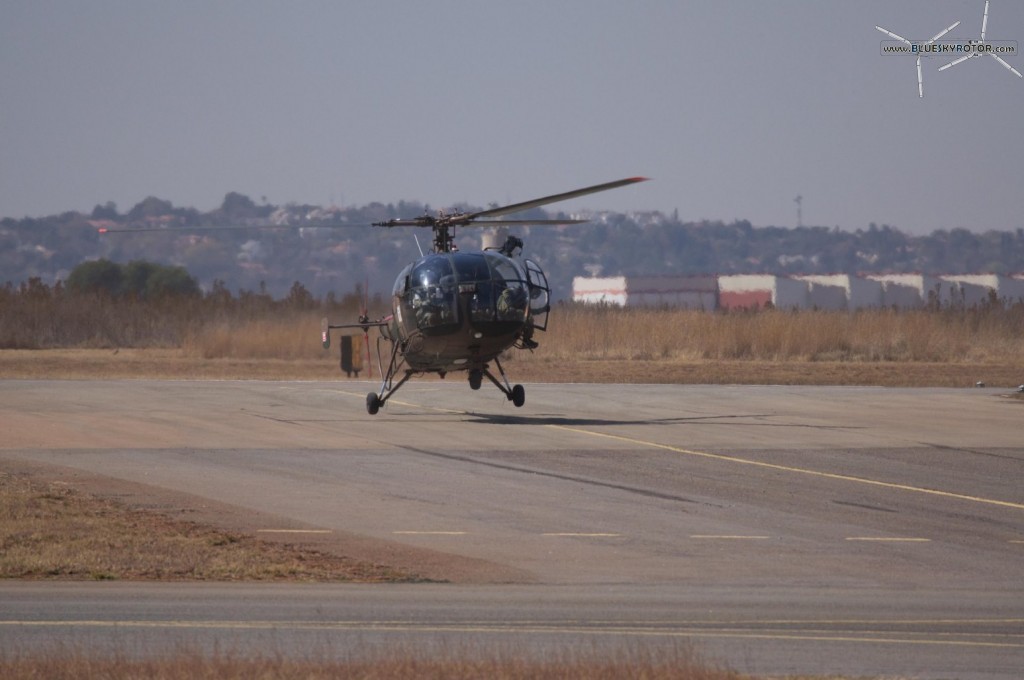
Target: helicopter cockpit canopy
(439,292)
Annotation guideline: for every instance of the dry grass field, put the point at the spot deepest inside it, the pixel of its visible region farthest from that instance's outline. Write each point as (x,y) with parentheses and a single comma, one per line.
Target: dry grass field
(681,664)
(938,348)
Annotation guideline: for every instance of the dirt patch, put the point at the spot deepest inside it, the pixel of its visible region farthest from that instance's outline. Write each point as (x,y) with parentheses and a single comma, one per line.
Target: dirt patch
(153,512)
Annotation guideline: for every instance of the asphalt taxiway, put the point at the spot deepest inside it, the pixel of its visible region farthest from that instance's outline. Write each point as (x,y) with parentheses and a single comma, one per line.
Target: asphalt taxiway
(782,529)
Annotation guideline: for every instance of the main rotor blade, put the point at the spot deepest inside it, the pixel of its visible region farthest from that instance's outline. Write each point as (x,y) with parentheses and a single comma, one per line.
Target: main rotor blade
(890,33)
(188,230)
(939,35)
(505,223)
(424,221)
(457,221)
(537,202)
(954,63)
(1003,62)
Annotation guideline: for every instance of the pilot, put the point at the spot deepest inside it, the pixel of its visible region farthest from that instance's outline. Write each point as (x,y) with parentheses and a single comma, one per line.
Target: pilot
(432,298)
(512,304)
(432,307)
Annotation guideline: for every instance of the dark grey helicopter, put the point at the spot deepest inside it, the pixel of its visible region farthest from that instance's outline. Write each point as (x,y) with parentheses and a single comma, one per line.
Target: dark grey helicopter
(458,311)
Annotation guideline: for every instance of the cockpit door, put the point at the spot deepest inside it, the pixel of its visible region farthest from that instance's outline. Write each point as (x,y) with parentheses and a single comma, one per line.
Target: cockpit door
(540,295)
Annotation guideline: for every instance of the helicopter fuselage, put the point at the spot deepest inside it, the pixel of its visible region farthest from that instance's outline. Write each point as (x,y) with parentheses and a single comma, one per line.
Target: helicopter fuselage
(458,311)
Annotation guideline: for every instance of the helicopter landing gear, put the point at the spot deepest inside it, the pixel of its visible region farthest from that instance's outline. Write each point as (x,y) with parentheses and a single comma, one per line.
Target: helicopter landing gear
(517,394)
(374,401)
(476,378)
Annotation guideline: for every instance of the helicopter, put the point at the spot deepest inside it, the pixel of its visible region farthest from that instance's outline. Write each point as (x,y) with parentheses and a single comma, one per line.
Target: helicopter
(455,310)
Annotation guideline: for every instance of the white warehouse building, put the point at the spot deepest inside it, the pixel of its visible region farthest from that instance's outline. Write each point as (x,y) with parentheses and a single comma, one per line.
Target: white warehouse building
(753,291)
(827,292)
(842,291)
(609,290)
(686,292)
(908,291)
(975,289)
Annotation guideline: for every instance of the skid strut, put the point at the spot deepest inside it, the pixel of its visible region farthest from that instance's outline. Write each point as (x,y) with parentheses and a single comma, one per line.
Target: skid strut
(387,387)
(515,393)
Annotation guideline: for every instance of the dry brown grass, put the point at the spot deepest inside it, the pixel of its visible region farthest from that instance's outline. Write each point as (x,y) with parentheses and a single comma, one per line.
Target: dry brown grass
(254,326)
(602,333)
(679,663)
(982,334)
(290,336)
(945,347)
(52,531)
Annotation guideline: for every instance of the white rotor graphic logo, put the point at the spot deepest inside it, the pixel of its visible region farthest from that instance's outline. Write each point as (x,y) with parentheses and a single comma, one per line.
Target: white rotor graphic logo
(920,80)
(974,48)
(971,55)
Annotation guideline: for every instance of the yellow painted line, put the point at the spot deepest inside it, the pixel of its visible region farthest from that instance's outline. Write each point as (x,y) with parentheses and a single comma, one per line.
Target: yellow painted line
(869,637)
(294,531)
(882,539)
(583,535)
(430,533)
(1017,542)
(847,638)
(730,537)
(797,470)
(576,625)
(697,623)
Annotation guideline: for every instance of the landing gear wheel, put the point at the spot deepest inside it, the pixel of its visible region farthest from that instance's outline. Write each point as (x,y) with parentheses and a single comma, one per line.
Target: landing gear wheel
(518,395)
(476,377)
(372,403)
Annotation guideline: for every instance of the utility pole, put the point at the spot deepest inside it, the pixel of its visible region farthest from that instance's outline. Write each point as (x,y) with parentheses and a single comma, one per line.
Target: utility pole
(799,200)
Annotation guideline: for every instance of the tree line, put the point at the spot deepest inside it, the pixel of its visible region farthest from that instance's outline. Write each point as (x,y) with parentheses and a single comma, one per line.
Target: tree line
(332,249)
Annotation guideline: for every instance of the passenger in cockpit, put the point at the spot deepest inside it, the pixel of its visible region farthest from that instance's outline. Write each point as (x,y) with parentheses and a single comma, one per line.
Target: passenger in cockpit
(512,303)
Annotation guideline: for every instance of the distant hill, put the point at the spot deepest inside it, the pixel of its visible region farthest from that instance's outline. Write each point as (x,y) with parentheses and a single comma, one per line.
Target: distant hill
(342,257)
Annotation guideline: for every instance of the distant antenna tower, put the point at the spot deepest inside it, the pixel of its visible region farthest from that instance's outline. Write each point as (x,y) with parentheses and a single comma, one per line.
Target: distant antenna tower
(799,200)
(971,55)
(920,80)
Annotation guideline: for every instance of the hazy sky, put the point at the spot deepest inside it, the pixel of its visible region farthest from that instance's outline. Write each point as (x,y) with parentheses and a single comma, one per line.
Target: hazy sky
(732,107)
